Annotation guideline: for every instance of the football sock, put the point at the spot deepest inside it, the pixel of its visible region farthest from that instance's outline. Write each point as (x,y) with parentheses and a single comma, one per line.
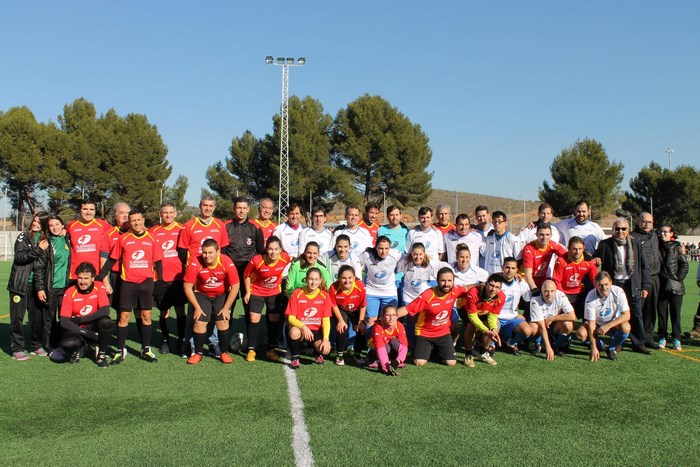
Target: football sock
(617,338)
(225,339)
(122,332)
(253,329)
(199,340)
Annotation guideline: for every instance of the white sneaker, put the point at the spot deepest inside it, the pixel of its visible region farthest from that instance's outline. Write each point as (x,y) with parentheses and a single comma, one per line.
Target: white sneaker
(487,358)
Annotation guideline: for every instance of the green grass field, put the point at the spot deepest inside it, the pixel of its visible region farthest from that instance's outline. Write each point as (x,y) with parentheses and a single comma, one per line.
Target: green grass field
(640,410)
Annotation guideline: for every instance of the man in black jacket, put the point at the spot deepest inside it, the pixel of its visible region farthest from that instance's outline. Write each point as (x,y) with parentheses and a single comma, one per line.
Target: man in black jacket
(245,241)
(623,258)
(644,234)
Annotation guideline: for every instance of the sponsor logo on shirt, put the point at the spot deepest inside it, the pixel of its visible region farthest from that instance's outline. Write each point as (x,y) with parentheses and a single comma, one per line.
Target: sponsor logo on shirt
(310,312)
(86,310)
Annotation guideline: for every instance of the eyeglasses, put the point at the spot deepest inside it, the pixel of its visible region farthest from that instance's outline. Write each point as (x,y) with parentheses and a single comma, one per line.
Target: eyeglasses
(499,222)
(620,229)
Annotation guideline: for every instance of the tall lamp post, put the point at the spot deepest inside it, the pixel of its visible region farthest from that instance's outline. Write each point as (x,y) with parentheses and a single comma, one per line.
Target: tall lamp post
(285,63)
(669,151)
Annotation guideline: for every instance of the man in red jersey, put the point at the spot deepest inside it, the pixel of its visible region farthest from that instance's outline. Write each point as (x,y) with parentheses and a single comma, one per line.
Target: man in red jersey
(434,309)
(140,256)
(571,272)
(85,315)
(121,226)
(211,284)
(168,291)
(537,256)
(484,304)
(444,219)
(85,235)
(199,228)
(265,210)
(369,221)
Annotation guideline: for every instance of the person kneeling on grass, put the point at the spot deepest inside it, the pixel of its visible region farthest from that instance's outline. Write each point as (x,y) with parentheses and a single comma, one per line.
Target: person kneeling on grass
(551,312)
(211,285)
(484,304)
(606,311)
(309,317)
(389,341)
(85,315)
(434,309)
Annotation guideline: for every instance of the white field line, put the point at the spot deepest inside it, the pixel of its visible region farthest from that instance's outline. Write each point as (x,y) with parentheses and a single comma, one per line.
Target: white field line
(300,435)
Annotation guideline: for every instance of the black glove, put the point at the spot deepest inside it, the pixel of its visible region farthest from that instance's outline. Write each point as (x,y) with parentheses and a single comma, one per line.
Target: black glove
(536,292)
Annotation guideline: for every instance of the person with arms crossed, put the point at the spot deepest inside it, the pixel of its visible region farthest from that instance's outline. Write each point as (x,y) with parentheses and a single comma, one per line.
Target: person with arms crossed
(606,312)
(551,317)
(85,316)
(211,285)
(574,275)
(309,318)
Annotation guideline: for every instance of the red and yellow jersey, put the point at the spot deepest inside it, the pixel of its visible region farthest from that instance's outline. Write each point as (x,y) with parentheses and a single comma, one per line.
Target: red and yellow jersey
(445,229)
(266,279)
(309,309)
(194,232)
(381,336)
(167,238)
(267,227)
(538,259)
(85,242)
(350,301)
(569,275)
(214,280)
(434,311)
(110,238)
(372,229)
(76,303)
(137,253)
(476,304)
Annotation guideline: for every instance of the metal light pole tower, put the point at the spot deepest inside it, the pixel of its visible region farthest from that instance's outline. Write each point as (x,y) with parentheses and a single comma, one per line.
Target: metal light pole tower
(285,63)
(669,151)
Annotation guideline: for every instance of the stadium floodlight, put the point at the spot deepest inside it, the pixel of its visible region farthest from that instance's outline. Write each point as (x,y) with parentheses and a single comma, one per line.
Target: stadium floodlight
(283,201)
(669,151)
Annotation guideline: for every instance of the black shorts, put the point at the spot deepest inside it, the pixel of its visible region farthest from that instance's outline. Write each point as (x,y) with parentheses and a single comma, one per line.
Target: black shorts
(273,304)
(211,306)
(443,345)
(133,296)
(115,280)
(174,296)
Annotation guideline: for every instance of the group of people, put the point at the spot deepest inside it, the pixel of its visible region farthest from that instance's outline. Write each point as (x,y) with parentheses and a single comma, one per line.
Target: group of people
(378,291)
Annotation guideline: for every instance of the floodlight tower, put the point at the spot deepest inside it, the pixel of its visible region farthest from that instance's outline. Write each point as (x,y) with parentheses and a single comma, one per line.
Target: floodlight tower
(669,151)
(285,63)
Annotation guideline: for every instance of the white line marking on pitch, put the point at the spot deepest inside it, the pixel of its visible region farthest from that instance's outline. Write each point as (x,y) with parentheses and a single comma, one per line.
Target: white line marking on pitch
(300,435)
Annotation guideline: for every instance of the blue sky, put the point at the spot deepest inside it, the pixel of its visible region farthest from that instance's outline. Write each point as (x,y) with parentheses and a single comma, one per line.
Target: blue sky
(499,87)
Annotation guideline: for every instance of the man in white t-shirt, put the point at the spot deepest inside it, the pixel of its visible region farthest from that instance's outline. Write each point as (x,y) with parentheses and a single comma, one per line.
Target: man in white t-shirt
(511,324)
(606,311)
(288,232)
(360,238)
(317,232)
(462,234)
(551,314)
(499,244)
(545,215)
(581,226)
(427,234)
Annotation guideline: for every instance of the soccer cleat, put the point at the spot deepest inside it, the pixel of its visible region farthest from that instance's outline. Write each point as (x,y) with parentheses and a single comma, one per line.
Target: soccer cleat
(612,354)
(469,361)
(340,361)
(560,351)
(75,357)
(373,365)
(677,344)
(359,360)
(20,356)
(487,358)
(58,355)
(194,359)
(226,358)
(492,350)
(272,355)
(319,359)
(101,361)
(400,364)
(164,347)
(119,357)
(662,343)
(148,355)
(40,352)
(513,349)
(537,350)
(250,358)
(295,363)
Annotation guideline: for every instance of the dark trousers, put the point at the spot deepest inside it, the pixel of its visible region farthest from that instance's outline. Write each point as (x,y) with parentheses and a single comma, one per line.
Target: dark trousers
(636,320)
(670,304)
(72,342)
(649,309)
(46,322)
(19,305)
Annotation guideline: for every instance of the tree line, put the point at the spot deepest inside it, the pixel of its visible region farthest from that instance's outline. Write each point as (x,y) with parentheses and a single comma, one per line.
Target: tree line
(367,151)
